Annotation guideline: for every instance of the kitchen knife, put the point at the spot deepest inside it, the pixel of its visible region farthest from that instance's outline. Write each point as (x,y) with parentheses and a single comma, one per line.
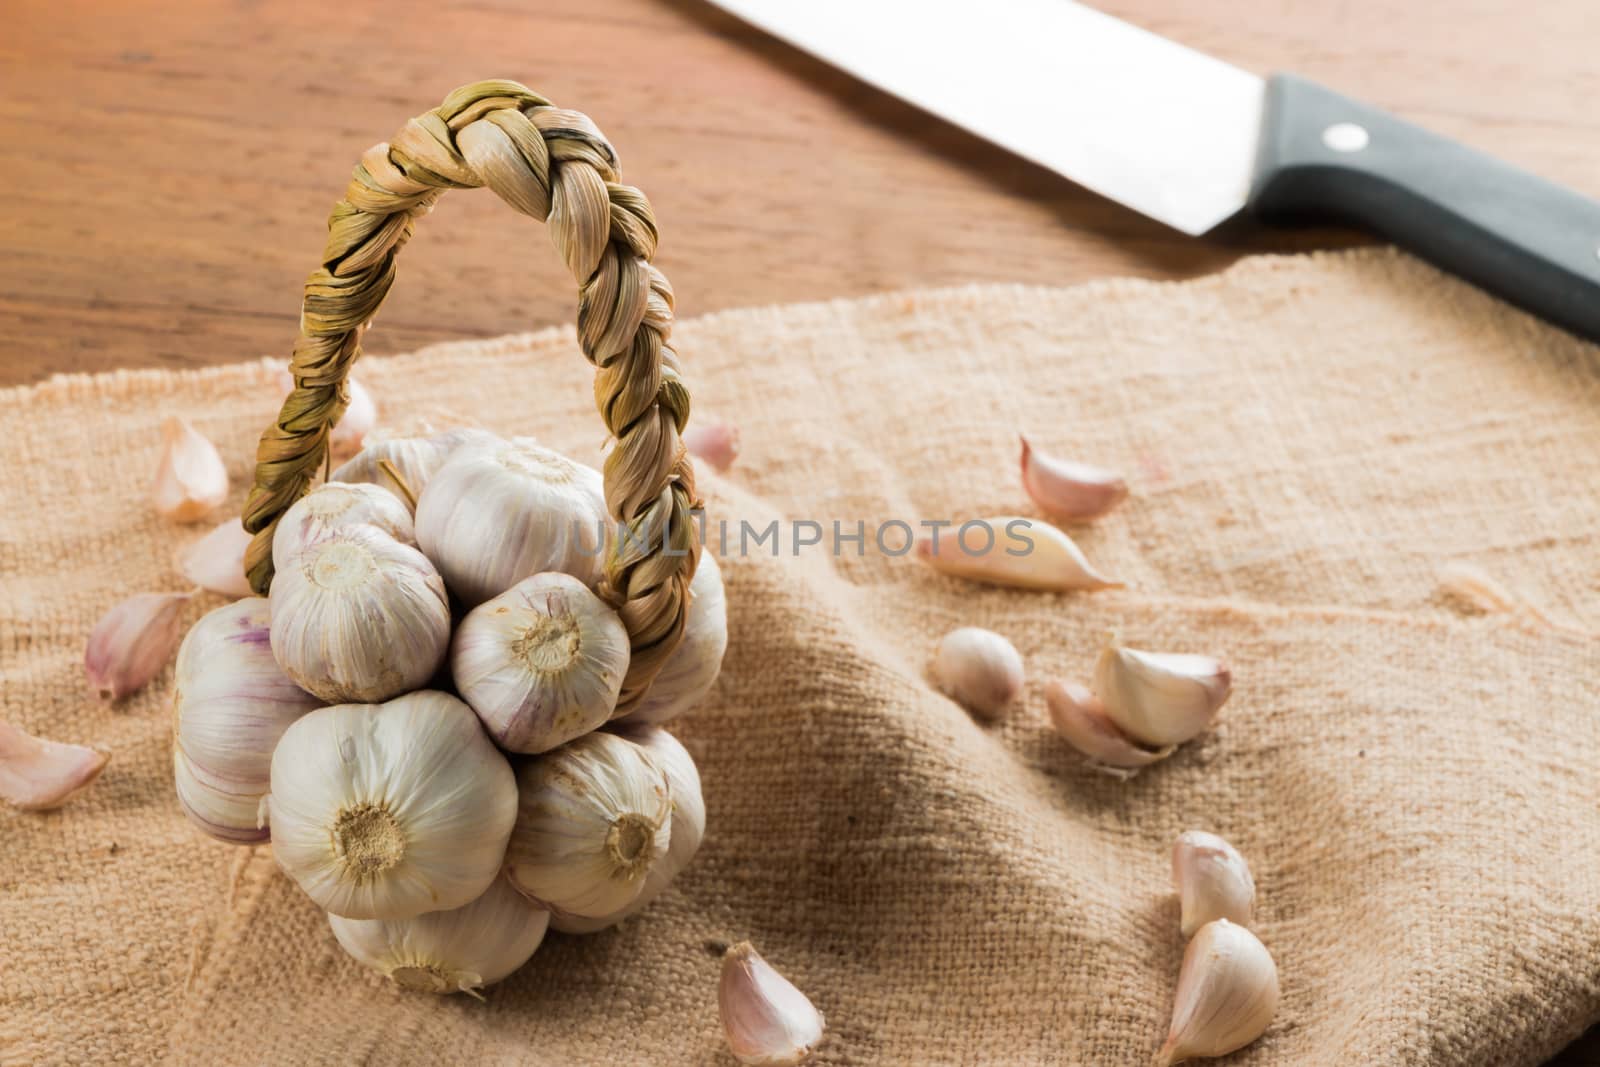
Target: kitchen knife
(1191,141)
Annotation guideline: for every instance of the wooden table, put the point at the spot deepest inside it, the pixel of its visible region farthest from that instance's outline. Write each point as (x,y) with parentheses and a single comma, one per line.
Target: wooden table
(169,165)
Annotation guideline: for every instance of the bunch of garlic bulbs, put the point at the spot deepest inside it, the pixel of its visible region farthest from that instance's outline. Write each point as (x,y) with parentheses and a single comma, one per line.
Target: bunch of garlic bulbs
(418,715)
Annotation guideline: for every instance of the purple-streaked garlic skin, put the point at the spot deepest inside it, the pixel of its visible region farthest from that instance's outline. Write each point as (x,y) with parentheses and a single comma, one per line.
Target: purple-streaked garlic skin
(1067,490)
(132,642)
(231,704)
(1079,717)
(37,774)
(768,1022)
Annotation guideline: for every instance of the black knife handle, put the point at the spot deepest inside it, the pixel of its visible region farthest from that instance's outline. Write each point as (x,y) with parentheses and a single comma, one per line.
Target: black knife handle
(1518,236)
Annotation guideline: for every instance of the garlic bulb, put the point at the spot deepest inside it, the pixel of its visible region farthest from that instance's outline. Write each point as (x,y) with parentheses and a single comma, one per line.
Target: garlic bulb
(37,774)
(1012,551)
(216,562)
(498,512)
(594,819)
(688,827)
(768,1022)
(390,810)
(980,669)
(402,466)
(357,616)
(191,480)
(1080,717)
(1227,993)
(132,642)
(1212,879)
(455,951)
(1160,698)
(231,703)
(692,669)
(542,663)
(335,506)
(1071,492)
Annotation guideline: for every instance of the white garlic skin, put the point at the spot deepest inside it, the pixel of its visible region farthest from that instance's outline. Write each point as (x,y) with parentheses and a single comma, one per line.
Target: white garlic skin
(360,416)
(231,703)
(594,819)
(414,459)
(387,811)
(687,831)
(979,669)
(216,562)
(497,513)
(1213,881)
(1227,994)
(767,1021)
(191,480)
(357,616)
(1022,553)
(336,506)
(459,950)
(1160,698)
(542,663)
(694,665)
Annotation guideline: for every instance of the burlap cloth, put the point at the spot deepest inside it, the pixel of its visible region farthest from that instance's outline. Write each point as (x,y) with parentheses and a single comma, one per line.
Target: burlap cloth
(1309,440)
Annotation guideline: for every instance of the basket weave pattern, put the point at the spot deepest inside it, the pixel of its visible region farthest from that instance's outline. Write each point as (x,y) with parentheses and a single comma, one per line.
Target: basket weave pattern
(555,165)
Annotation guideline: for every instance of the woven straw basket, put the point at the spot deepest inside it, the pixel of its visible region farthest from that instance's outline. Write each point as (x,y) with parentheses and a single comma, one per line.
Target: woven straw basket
(555,165)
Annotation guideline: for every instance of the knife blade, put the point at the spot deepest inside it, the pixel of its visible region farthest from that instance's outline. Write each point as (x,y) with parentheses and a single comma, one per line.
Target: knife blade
(1192,141)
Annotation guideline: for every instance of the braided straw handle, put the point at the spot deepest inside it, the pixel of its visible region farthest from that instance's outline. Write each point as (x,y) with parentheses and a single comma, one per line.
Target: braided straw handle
(552,164)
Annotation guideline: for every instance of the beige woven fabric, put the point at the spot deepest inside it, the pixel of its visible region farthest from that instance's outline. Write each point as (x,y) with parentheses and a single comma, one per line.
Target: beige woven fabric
(1308,439)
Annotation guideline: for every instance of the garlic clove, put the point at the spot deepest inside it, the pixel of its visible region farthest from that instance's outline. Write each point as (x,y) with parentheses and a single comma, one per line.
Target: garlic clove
(132,642)
(216,562)
(387,811)
(1078,716)
(499,512)
(1071,492)
(542,663)
(231,704)
(716,443)
(688,827)
(980,669)
(1160,698)
(1227,993)
(37,774)
(191,480)
(360,416)
(358,616)
(594,820)
(403,465)
(335,506)
(768,1022)
(455,951)
(1212,879)
(692,669)
(1012,551)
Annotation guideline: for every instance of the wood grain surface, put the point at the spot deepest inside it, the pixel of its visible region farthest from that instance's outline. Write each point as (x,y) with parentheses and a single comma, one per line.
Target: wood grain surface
(169,166)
